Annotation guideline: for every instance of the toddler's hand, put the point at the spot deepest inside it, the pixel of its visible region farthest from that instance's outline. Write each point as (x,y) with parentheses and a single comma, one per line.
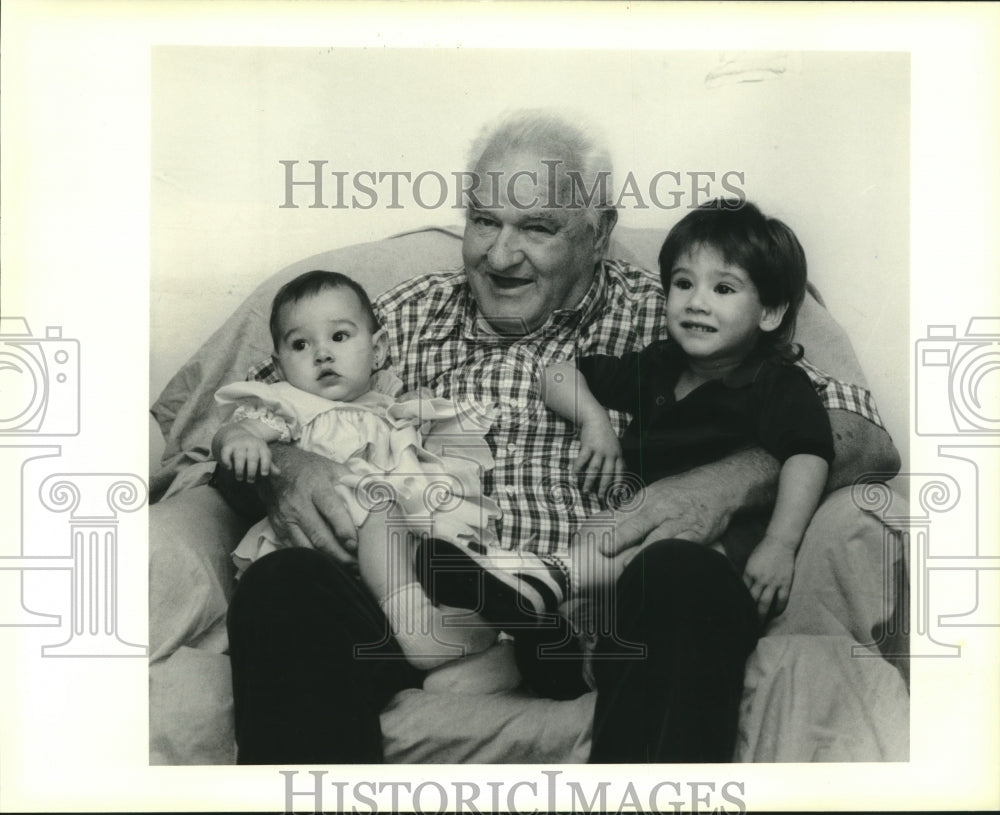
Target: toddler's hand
(768,576)
(600,457)
(246,455)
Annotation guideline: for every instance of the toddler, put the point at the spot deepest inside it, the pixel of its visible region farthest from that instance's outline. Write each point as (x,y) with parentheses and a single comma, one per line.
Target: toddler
(725,379)
(336,401)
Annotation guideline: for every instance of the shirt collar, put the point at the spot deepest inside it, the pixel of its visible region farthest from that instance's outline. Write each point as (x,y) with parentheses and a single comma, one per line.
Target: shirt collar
(744,374)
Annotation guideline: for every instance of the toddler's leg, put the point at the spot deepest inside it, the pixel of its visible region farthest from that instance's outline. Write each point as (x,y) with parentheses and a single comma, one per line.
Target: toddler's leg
(510,589)
(518,592)
(428,635)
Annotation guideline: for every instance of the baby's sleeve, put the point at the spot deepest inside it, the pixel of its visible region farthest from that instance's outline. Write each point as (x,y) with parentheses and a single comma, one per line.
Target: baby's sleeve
(259,402)
(265,416)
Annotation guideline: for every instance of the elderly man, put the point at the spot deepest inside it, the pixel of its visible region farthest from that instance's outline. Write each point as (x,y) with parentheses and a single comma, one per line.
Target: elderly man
(536,287)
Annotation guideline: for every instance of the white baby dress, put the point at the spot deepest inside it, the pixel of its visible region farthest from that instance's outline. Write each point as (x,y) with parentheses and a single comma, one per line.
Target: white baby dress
(421,451)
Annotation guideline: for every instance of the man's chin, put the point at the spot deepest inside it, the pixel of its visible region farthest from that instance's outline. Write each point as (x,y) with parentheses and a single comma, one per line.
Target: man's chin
(507,321)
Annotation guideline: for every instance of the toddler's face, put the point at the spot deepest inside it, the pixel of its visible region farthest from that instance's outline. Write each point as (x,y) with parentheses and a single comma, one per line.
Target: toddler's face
(326,346)
(713,309)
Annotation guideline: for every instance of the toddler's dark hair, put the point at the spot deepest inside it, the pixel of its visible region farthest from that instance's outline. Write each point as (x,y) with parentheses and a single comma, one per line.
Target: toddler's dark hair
(764,247)
(312,283)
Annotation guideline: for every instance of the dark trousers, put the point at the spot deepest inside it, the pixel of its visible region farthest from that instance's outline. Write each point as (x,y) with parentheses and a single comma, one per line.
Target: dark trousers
(302,693)
(679,703)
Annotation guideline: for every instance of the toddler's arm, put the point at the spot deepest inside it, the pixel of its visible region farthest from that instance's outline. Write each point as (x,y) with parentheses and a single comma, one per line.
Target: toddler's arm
(565,391)
(769,570)
(241,446)
(418,625)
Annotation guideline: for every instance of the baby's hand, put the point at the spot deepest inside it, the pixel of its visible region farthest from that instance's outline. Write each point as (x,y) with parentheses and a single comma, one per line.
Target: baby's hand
(768,576)
(246,455)
(600,456)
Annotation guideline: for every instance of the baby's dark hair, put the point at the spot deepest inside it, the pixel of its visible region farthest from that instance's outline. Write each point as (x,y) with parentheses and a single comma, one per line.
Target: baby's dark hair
(764,247)
(312,283)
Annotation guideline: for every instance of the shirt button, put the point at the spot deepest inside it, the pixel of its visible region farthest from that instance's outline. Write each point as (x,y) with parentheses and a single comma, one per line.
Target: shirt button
(661,400)
(511,448)
(510,492)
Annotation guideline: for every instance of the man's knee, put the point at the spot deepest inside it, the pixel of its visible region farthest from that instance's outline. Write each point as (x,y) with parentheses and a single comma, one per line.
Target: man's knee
(292,583)
(676,582)
(190,571)
(288,573)
(680,565)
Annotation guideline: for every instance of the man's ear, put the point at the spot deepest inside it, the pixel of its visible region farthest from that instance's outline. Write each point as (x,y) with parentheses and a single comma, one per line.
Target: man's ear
(380,345)
(602,239)
(771,319)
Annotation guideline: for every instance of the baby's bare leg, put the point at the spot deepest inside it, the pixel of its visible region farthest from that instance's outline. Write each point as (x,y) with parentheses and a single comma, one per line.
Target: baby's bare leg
(429,635)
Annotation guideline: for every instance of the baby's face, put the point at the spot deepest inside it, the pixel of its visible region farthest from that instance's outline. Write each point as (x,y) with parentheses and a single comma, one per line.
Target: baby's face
(326,346)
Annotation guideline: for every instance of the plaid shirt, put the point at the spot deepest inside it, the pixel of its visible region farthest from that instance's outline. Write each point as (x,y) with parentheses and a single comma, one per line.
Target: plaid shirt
(436,342)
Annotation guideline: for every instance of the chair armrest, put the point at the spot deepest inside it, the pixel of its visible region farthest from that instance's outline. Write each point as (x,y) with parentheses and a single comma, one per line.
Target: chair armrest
(846,575)
(191,535)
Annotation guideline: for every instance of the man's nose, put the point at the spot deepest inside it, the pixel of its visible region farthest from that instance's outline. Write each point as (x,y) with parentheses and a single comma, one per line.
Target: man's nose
(506,249)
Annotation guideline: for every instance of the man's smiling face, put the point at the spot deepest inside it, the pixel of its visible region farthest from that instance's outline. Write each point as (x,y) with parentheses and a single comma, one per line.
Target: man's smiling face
(525,257)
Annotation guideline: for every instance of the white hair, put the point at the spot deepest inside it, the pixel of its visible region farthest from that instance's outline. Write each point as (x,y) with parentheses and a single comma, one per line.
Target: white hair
(579,149)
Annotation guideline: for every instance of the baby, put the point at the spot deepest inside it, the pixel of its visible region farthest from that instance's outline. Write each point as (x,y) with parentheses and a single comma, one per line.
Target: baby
(336,401)
(725,379)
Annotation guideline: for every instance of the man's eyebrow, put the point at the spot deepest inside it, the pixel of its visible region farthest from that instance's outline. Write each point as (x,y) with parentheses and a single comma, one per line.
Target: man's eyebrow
(540,215)
(547,215)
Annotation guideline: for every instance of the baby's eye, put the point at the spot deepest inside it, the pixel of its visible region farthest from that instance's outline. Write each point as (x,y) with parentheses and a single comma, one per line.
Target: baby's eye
(681,283)
(298,345)
(724,288)
(340,336)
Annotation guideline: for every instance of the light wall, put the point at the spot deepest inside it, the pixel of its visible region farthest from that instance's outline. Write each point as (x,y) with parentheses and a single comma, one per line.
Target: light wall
(821,140)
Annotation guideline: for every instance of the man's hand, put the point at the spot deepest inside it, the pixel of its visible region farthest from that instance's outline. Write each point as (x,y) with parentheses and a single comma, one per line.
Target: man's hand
(590,568)
(303,506)
(244,454)
(699,504)
(768,576)
(600,458)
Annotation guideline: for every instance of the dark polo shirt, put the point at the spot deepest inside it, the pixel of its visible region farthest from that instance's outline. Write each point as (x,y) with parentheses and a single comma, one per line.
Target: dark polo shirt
(766,402)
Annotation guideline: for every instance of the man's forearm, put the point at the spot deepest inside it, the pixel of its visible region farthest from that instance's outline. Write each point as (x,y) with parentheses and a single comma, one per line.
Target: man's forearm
(250,500)
(698,504)
(860,447)
(242,497)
